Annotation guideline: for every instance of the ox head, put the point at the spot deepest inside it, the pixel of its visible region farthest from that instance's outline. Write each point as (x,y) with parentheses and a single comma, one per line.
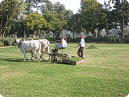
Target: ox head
(18,42)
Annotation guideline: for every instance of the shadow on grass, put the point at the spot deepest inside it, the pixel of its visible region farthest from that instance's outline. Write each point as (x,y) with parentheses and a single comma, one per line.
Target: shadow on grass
(22,60)
(13,60)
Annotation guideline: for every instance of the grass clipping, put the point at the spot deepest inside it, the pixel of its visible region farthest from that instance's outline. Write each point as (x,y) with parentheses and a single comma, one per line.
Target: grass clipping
(92,47)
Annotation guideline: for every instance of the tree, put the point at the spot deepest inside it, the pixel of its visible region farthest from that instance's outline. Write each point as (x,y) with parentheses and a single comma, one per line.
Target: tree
(92,16)
(74,23)
(35,22)
(55,22)
(68,14)
(18,27)
(48,6)
(9,9)
(110,21)
(121,10)
(55,17)
(59,8)
(33,4)
(101,21)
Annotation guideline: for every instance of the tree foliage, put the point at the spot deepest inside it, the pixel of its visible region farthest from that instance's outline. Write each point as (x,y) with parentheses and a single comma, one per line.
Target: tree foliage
(93,16)
(35,22)
(9,9)
(121,11)
(55,16)
(55,22)
(30,4)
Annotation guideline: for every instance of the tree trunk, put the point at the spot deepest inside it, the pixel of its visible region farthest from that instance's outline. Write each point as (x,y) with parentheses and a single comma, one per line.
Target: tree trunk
(122,28)
(94,34)
(73,34)
(53,35)
(24,34)
(107,33)
(2,34)
(34,33)
(5,23)
(4,27)
(98,33)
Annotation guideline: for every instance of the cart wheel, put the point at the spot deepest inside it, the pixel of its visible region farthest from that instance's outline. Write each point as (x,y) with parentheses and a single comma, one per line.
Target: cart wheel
(53,59)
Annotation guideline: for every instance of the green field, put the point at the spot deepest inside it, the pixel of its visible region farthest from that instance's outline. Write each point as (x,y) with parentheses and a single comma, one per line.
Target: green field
(105,73)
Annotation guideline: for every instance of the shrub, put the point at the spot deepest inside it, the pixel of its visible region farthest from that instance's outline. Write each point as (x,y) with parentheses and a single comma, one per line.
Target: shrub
(1,43)
(9,42)
(92,47)
(36,38)
(50,39)
(89,39)
(74,40)
(126,40)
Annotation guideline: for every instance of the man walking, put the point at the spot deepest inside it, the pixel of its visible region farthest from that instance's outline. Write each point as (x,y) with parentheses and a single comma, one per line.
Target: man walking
(82,46)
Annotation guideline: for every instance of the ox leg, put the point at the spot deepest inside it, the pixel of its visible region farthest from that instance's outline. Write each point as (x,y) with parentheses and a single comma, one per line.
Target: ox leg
(48,50)
(41,51)
(40,54)
(35,55)
(31,56)
(25,57)
(49,57)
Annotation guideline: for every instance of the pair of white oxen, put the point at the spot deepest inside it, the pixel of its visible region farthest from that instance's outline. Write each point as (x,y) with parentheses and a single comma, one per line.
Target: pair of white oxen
(33,46)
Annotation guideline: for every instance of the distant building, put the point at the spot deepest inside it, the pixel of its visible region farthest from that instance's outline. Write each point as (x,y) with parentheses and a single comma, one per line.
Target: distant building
(103,33)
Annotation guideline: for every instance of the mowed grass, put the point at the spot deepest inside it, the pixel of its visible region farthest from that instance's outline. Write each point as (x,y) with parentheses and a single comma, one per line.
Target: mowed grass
(105,73)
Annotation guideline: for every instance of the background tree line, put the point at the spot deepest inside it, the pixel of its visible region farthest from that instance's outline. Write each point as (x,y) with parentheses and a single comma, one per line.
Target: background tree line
(19,18)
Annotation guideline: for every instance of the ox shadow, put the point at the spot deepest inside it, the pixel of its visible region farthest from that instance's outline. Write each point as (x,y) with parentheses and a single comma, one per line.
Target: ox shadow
(13,60)
(22,60)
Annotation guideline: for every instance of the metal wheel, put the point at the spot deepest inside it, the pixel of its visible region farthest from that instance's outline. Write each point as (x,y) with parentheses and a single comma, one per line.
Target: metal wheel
(54,59)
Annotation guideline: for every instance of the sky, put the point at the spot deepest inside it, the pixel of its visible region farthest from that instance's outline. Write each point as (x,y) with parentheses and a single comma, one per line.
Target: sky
(73,5)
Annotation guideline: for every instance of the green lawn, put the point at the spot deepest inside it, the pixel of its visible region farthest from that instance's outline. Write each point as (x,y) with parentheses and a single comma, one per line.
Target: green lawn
(105,73)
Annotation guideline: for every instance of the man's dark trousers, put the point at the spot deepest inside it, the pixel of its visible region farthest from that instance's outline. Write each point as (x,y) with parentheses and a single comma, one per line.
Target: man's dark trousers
(80,52)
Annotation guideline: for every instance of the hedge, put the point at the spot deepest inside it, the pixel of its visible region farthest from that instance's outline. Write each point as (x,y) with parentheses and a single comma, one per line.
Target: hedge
(102,39)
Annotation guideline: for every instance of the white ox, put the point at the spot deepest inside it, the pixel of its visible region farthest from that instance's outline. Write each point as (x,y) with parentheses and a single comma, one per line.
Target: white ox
(29,46)
(45,45)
